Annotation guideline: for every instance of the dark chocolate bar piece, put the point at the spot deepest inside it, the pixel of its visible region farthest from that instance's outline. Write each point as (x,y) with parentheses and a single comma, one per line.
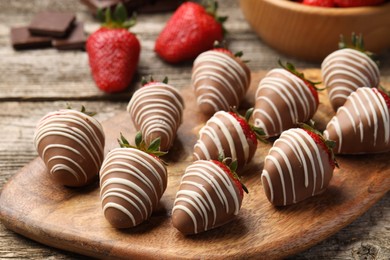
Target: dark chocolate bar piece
(56,24)
(94,5)
(75,40)
(158,6)
(21,39)
(142,6)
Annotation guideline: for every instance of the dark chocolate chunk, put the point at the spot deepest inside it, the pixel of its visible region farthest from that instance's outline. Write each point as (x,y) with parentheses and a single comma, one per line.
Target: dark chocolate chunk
(148,6)
(158,6)
(22,39)
(56,24)
(94,5)
(75,40)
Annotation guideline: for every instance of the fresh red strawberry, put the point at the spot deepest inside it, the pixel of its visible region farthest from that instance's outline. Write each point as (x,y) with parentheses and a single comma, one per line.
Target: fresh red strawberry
(322,3)
(284,98)
(355,3)
(191,30)
(132,181)
(228,134)
(198,206)
(113,52)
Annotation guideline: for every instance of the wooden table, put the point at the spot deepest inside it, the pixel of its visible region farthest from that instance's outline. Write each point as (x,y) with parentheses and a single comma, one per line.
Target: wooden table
(35,82)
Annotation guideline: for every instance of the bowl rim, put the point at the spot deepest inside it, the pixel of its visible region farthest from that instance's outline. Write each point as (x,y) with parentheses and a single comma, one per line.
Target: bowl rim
(301,8)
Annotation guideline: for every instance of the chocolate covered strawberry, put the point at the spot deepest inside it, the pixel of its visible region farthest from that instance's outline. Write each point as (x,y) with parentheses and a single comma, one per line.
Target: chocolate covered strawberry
(113,52)
(132,181)
(191,30)
(230,135)
(220,80)
(284,98)
(156,109)
(362,124)
(299,165)
(347,69)
(71,144)
(210,195)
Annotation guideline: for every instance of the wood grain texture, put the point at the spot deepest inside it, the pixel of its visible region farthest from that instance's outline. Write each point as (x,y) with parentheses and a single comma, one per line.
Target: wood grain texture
(71,219)
(23,104)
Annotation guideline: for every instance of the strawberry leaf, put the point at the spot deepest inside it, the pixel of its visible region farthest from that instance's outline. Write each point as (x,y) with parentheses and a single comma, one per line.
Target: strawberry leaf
(153,148)
(100,15)
(138,139)
(233,166)
(165,80)
(249,113)
(154,145)
(238,54)
(107,17)
(120,14)
(131,22)
(221,156)
(119,19)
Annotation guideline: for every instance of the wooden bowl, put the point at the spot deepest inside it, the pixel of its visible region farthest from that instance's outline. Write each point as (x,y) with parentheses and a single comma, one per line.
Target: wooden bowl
(311,33)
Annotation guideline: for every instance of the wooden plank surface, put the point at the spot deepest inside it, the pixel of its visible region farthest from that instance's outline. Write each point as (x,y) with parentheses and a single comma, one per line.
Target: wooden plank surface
(33,83)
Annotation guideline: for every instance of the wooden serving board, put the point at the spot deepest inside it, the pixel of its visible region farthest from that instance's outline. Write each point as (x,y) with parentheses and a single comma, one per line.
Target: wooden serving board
(71,219)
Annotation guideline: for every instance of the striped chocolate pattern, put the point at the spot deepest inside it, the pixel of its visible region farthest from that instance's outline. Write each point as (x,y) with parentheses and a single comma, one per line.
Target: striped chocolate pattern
(361,125)
(71,144)
(295,168)
(156,110)
(207,198)
(131,185)
(220,81)
(223,135)
(282,100)
(346,70)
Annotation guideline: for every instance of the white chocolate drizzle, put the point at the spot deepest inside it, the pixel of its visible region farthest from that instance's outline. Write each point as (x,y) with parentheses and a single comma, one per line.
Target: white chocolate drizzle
(228,131)
(306,152)
(282,100)
(204,188)
(157,110)
(346,70)
(214,68)
(71,129)
(368,116)
(127,162)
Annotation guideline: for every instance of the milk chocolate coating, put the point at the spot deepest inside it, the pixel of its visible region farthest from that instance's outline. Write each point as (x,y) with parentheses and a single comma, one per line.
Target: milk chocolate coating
(361,125)
(295,168)
(346,70)
(131,185)
(223,135)
(207,198)
(220,81)
(71,144)
(282,101)
(157,111)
